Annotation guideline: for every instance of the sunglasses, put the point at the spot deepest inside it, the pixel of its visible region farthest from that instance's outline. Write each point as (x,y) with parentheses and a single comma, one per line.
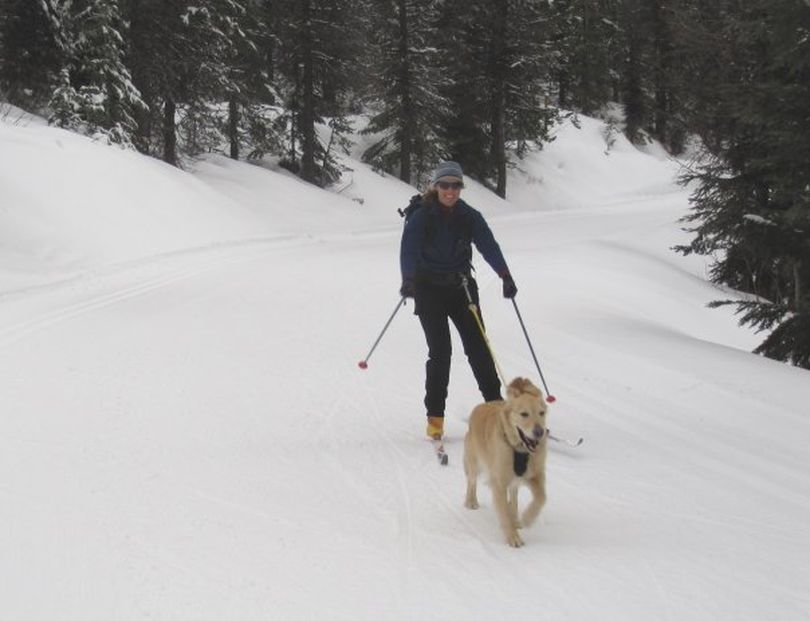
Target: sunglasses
(449,185)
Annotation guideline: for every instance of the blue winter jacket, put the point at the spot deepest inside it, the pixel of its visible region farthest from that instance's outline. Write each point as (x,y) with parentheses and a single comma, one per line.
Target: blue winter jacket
(436,239)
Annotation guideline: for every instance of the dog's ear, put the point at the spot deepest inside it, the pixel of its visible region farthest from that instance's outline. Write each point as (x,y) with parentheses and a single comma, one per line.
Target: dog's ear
(515,388)
(521,385)
(505,419)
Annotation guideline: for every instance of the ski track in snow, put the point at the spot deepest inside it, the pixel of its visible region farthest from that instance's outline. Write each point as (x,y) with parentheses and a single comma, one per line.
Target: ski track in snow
(89,291)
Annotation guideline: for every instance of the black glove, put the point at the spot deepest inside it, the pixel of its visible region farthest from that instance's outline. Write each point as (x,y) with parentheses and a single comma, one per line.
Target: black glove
(509,287)
(408,288)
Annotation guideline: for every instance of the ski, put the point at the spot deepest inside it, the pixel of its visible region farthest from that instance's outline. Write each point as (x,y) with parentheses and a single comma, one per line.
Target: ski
(438,448)
(566,441)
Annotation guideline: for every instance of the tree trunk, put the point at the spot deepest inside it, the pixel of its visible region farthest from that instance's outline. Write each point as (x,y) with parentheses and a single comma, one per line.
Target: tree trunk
(408,124)
(169,132)
(139,65)
(797,286)
(661,76)
(634,105)
(498,80)
(563,81)
(307,124)
(233,127)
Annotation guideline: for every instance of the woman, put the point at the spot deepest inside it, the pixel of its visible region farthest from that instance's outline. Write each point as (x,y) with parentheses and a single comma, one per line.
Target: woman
(436,264)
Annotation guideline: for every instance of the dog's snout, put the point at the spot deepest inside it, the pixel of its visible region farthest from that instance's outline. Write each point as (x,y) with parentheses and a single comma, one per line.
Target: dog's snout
(538,431)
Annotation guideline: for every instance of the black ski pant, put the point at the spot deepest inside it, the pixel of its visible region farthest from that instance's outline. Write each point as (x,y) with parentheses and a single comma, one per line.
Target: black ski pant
(435,305)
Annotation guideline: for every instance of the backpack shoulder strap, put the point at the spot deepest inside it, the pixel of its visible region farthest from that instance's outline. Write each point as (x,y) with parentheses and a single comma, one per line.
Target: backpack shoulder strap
(467,221)
(414,204)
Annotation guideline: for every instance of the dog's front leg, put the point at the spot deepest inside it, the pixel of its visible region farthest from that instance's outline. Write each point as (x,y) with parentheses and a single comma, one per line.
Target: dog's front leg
(501,502)
(471,501)
(537,486)
(512,496)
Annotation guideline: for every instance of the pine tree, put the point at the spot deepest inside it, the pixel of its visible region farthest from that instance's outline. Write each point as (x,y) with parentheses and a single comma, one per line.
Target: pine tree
(531,108)
(159,56)
(221,96)
(705,59)
(633,84)
(318,43)
(521,111)
(587,34)
(559,28)
(499,95)
(181,55)
(29,56)
(251,118)
(95,93)
(463,36)
(668,126)
(753,202)
(213,88)
(407,106)
(652,85)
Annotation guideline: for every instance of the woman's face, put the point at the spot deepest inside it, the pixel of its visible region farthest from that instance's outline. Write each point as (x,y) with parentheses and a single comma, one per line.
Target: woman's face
(449,190)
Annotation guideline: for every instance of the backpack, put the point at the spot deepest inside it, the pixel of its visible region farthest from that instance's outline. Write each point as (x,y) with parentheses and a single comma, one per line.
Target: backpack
(416,203)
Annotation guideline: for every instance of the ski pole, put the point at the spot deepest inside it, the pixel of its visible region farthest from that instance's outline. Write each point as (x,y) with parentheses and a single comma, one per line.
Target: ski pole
(549,397)
(363,364)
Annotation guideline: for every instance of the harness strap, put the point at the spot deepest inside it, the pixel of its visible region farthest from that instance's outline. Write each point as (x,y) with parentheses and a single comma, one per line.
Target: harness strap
(474,310)
(520,463)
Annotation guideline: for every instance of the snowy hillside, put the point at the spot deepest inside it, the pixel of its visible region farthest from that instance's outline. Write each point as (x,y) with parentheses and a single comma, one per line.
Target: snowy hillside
(185,433)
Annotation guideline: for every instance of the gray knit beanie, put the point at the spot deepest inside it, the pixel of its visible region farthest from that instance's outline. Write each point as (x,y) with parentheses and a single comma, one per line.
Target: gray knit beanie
(447,169)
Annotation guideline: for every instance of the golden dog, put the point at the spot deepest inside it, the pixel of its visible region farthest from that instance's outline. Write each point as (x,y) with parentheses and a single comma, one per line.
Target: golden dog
(507,440)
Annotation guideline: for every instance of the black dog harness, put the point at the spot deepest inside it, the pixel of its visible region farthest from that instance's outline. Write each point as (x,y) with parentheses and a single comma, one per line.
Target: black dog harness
(520,462)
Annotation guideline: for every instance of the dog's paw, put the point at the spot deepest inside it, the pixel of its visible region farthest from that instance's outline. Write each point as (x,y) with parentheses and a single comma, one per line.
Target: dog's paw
(471,504)
(514,540)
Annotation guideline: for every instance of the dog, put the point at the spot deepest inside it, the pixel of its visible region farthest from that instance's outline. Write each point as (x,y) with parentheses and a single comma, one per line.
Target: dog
(507,440)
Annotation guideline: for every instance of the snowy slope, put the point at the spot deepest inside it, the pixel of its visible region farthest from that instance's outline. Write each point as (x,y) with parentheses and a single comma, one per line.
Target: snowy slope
(185,433)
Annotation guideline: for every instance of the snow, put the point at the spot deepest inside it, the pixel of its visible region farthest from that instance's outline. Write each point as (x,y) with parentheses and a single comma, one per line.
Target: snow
(185,433)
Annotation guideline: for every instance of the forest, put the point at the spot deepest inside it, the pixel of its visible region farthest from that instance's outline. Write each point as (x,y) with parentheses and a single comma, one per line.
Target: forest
(483,82)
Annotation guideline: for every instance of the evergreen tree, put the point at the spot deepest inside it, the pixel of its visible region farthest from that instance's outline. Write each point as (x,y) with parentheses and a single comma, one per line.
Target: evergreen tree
(29,56)
(182,56)
(752,207)
(633,91)
(587,34)
(318,44)
(160,57)
(705,61)
(560,26)
(521,111)
(531,109)
(214,89)
(668,126)
(225,94)
(251,119)
(407,106)
(95,92)
(463,32)
(499,94)
(652,85)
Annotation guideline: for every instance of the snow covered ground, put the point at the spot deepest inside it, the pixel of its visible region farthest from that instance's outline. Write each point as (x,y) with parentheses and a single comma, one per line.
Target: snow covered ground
(185,433)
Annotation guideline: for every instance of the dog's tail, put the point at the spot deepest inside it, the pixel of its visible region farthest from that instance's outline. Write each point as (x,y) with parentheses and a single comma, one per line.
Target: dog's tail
(520,385)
